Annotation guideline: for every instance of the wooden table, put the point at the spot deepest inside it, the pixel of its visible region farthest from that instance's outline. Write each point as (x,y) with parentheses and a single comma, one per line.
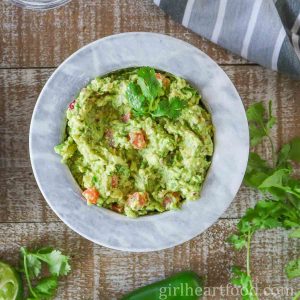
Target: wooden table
(32,45)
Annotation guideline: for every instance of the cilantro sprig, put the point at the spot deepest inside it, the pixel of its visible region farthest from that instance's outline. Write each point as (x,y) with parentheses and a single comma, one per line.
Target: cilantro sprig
(32,262)
(280,189)
(144,97)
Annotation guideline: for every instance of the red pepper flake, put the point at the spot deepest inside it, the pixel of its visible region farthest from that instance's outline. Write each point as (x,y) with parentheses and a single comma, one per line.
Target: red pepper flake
(72,104)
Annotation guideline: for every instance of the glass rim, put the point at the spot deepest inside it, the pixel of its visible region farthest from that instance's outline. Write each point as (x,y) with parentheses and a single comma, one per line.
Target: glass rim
(39,5)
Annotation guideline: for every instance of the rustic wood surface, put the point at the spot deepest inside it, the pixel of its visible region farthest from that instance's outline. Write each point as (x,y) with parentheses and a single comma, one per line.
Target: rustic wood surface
(101,273)
(32,45)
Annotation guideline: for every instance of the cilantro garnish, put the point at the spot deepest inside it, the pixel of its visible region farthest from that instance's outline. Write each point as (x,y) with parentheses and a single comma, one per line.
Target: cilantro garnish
(144,97)
(280,205)
(148,83)
(169,108)
(32,261)
(136,99)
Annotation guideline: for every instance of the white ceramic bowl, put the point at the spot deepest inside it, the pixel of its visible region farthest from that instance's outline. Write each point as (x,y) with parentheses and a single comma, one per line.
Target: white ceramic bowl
(229,161)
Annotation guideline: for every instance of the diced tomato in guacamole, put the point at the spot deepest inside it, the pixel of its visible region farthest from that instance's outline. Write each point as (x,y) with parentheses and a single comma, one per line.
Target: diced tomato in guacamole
(91,195)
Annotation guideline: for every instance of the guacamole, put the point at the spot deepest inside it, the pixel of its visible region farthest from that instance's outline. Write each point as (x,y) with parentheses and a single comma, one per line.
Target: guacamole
(138,141)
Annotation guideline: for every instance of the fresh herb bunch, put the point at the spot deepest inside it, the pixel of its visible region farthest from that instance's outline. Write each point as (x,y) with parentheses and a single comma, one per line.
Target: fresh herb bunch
(280,203)
(144,97)
(56,264)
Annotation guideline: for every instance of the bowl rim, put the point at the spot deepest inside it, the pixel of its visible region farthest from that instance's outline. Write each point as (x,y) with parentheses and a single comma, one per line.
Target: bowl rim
(140,219)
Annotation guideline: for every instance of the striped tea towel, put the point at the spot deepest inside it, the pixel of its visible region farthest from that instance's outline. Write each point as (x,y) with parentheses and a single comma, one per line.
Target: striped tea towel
(263,31)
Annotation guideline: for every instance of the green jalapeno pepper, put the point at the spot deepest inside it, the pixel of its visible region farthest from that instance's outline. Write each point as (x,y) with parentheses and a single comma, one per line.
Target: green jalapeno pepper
(182,286)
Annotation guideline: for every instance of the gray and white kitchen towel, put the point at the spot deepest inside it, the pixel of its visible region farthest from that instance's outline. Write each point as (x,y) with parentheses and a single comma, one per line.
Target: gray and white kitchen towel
(263,31)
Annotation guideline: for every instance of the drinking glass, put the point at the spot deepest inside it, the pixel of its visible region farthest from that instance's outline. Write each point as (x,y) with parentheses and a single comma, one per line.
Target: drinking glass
(39,4)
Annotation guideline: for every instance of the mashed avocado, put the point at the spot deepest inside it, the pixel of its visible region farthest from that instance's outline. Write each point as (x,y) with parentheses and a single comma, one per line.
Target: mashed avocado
(138,141)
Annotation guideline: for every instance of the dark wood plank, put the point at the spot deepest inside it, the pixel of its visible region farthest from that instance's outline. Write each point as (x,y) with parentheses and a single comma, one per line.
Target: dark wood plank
(101,273)
(21,200)
(40,39)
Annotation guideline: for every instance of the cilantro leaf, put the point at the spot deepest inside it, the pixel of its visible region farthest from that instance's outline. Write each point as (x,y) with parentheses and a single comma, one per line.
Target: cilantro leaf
(46,288)
(295,233)
(294,153)
(255,116)
(283,157)
(169,108)
(148,83)
(176,106)
(289,152)
(256,134)
(33,264)
(279,184)
(256,162)
(136,99)
(57,262)
(276,179)
(256,112)
(31,261)
(237,241)
(259,123)
(293,269)
(257,171)
(244,281)
(162,109)
(265,214)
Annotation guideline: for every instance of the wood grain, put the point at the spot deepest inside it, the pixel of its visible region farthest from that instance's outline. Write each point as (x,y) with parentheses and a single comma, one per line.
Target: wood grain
(20,88)
(45,39)
(101,273)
